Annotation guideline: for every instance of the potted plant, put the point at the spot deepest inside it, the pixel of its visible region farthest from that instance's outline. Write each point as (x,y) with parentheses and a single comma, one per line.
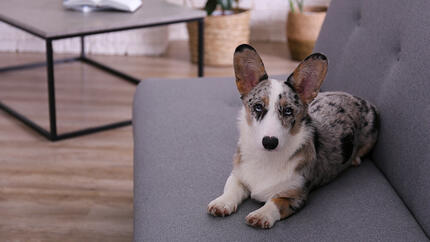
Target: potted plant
(303,26)
(226,26)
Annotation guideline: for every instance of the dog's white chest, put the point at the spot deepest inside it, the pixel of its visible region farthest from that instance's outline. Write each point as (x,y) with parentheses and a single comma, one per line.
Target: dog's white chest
(265,178)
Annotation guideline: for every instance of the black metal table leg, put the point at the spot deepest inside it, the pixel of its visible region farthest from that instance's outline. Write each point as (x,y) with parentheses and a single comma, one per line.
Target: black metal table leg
(82,46)
(201,29)
(110,70)
(25,120)
(52,133)
(51,90)
(35,65)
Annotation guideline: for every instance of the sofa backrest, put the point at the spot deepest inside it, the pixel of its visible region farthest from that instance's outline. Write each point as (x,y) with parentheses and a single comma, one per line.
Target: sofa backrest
(380,50)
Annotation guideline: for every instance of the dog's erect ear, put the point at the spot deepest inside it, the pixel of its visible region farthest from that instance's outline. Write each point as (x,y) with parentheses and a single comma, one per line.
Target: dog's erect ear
(248,68)
(308,77)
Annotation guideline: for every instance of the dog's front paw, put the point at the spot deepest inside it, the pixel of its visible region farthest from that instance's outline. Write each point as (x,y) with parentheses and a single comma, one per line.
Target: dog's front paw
(221,207)
(260,220)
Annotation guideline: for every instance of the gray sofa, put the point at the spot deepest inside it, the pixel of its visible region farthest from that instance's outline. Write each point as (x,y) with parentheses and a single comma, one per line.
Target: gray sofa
(185,135)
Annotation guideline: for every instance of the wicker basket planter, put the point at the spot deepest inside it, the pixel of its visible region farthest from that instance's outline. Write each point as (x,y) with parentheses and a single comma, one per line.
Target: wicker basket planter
(303,29)
(223,33)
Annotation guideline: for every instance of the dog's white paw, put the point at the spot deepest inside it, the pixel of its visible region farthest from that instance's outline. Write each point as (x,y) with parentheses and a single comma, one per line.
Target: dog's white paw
(260,220)
(221,207)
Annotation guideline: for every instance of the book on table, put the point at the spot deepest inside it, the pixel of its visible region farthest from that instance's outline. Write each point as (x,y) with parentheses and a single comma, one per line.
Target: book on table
(88,5)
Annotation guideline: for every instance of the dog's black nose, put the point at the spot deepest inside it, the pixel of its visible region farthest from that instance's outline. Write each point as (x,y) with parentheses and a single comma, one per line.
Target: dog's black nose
(270,143)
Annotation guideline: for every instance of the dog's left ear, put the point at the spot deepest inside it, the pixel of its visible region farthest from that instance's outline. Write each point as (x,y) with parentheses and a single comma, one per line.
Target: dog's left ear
(248,68)
(308,77)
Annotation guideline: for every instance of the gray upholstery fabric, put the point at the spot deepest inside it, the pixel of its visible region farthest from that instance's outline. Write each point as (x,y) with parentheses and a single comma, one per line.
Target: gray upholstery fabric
(380,50)
(184,137)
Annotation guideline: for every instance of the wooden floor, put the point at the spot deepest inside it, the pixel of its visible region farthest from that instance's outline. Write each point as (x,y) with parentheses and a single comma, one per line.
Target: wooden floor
(81,189)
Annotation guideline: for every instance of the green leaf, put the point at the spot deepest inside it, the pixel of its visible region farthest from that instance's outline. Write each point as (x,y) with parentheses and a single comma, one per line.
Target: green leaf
(211,6)
(291,6)
(230,4)
(225,4)
(300,5)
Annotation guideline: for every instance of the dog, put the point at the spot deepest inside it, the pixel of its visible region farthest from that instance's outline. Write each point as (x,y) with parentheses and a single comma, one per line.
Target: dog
(292,138)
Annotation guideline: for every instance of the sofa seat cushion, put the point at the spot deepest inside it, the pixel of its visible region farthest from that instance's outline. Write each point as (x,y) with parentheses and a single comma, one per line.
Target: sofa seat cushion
(185,136)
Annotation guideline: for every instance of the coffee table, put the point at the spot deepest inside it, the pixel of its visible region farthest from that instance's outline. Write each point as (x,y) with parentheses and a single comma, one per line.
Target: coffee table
(48,20)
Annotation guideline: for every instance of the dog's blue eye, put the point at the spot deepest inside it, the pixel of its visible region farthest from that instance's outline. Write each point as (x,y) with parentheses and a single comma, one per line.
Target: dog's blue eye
(287,111)
(258,108)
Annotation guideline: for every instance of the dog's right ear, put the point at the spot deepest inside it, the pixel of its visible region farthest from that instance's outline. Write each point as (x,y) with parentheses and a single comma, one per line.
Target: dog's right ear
(307,78)
(248,68)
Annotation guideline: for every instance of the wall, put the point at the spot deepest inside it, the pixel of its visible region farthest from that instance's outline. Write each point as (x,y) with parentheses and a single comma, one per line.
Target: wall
(268,19)
(150,41)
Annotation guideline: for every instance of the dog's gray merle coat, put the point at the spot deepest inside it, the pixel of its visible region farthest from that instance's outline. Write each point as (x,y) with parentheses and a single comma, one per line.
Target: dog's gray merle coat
(345,128)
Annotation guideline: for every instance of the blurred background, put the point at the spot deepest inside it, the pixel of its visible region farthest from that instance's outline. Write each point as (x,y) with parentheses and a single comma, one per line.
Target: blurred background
(267,23)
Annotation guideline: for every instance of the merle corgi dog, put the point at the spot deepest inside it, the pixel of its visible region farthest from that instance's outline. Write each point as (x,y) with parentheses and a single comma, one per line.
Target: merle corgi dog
(292,138)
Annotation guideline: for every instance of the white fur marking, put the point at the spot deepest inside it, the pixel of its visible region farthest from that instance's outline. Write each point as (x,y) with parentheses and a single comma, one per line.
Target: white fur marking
(265,216)
(267,173)
(227,203)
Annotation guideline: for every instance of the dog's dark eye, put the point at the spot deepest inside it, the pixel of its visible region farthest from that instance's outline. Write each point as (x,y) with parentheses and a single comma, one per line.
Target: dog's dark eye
(287,111)
(258,108)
